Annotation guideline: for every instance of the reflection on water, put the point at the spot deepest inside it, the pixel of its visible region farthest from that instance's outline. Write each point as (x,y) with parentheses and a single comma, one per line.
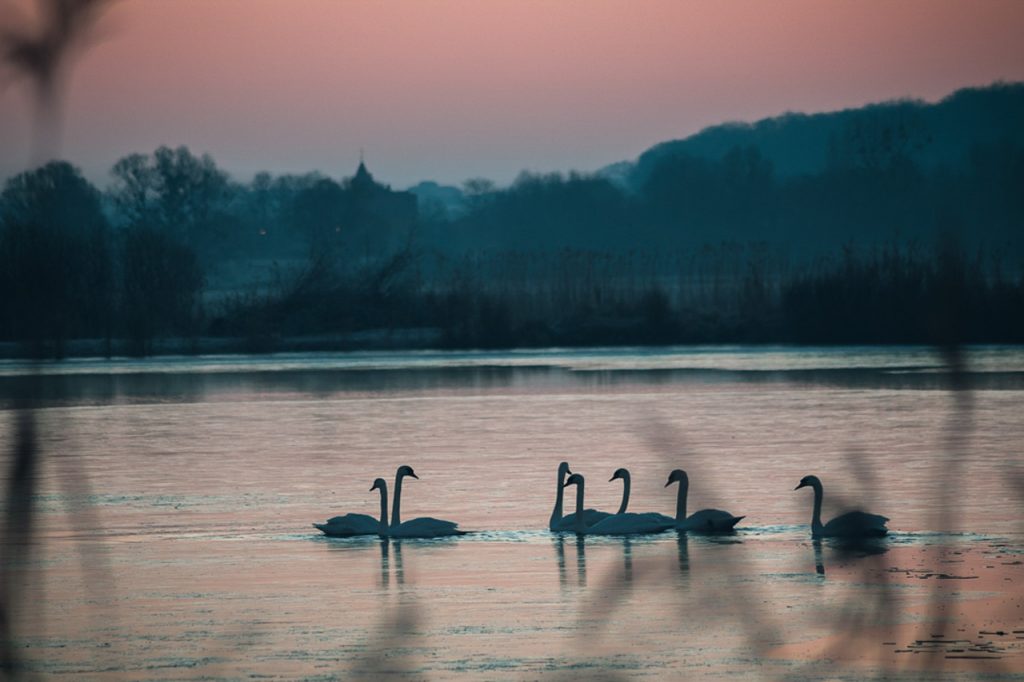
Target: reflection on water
(846,550)
(197,479)
(683,553)
(819,561)
(580,547)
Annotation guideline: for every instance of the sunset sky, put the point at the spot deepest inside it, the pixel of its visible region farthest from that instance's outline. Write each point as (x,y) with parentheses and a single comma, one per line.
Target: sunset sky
(452,89)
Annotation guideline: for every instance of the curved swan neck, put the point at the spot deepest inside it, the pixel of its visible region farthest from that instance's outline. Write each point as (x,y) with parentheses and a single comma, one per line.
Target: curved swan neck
(684,487)
(819,493)
(580,525)
(625,494)
(396,516)
(384,506)
(556,513)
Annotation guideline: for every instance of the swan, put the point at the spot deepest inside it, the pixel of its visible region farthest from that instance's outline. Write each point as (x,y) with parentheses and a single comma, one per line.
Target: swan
(627,523)
(563,523)
(613,524)
(705,520)
(578,523)
(624,475)
(854,524)
(423,527)
(350,525)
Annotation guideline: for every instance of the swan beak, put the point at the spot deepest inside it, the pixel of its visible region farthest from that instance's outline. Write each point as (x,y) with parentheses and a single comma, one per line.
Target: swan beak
(414,475)
(802,484)
(669,483)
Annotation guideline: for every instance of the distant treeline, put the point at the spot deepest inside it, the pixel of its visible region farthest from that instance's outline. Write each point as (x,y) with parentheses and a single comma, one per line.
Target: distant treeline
(725,294)
(67,273)
(874,247)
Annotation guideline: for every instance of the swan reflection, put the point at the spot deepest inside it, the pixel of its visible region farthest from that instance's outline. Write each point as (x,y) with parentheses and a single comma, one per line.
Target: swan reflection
(627,560)
(559,541)
(391,549)
(683,549)
(846,549)
(581,561)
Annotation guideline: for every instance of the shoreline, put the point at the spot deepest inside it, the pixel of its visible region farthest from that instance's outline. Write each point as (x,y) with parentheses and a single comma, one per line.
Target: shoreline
(397,340)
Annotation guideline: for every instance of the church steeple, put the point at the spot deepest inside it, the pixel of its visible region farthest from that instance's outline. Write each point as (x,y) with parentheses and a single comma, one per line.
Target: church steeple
(362,178)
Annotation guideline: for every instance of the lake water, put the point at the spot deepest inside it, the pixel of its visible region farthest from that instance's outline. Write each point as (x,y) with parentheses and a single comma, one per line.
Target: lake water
(176,495)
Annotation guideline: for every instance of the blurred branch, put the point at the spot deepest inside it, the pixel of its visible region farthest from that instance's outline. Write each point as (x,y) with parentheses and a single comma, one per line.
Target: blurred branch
(42,54)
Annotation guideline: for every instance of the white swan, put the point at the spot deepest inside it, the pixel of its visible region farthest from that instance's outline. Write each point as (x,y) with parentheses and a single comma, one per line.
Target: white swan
(568,523)
(854,524)
(350,525)
(613,524)
(423,527)
(627,484)
(703,521)
(627,523)
(579,525)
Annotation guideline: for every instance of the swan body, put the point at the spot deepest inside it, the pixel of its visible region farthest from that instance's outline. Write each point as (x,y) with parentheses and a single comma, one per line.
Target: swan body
(854,524)
(709,521)
(627,523)
(568,523)
(423,527)
(349,525)
(703,521)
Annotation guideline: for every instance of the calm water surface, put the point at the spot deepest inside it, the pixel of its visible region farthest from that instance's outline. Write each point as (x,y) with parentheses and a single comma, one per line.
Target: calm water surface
(176,498)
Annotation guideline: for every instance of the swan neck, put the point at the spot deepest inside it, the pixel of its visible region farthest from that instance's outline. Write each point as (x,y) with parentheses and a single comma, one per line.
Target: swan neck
(580,525)
(384,506)
(556,513)
(625,495)
(396,514)
(819,493)
(684,488)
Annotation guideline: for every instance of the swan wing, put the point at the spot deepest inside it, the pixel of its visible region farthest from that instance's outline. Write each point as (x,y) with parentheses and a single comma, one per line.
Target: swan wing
(630,524)
(568,522)
(709,521)
(592,516)
(426,527)
(661,518)
(349,525)
(856,524)
(354,520)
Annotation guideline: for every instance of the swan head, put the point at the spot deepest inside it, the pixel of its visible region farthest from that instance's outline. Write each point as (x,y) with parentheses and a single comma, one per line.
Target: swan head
(677,476)
(812,481)
(379,484)
(573,480)
(619,473)
(563,468)
(406,470)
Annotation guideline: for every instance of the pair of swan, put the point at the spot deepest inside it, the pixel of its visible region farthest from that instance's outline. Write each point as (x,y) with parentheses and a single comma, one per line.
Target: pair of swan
(351,525)
(592,522)
(559,522)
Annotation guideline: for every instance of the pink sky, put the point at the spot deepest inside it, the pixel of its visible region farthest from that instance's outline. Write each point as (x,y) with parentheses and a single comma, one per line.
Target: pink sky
(452,89)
